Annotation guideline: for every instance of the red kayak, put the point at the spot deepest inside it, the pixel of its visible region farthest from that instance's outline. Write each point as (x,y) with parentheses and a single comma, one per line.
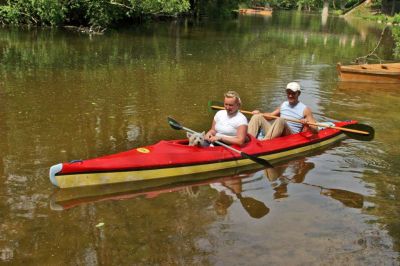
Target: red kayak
(175,159)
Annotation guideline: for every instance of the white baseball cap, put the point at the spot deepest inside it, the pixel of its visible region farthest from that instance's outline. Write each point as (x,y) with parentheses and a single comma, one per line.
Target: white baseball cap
(293,86)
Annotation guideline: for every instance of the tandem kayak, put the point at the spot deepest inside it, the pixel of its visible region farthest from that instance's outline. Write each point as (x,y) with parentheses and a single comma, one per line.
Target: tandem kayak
(176,159)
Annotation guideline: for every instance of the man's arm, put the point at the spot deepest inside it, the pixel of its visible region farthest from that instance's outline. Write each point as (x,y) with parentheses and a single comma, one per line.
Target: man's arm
(309,118)
(267,116)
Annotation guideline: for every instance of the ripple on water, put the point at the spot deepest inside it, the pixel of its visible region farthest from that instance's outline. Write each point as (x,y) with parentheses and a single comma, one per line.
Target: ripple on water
(23,204)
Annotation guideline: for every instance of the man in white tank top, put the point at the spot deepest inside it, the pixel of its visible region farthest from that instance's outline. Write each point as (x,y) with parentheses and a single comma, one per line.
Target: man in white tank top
(292,109)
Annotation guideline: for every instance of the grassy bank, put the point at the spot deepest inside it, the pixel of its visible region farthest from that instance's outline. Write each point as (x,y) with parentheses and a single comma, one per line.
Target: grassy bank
(371,12)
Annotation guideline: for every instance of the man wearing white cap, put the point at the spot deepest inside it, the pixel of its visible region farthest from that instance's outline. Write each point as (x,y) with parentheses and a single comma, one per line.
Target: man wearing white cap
(292,108)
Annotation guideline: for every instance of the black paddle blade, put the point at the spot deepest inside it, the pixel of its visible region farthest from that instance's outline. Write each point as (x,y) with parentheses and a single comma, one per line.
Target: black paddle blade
(360,136)
(174,124)
(257,160)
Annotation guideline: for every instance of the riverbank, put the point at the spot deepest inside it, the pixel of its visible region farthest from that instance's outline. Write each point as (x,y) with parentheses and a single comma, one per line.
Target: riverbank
(370,12)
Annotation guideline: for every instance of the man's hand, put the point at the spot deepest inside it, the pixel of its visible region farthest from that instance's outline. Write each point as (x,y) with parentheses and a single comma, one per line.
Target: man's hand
(304,121)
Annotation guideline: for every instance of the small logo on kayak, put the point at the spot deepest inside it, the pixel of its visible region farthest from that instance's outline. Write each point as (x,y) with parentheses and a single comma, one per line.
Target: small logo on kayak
(143,150)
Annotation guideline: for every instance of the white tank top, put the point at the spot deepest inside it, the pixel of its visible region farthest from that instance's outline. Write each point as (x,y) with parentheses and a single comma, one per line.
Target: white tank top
(227,125)
(294,112)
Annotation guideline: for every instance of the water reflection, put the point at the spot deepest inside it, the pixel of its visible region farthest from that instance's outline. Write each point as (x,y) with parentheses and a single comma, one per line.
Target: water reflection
(283,175)
(231,190)
(382,155)
(357,88)
(295,173)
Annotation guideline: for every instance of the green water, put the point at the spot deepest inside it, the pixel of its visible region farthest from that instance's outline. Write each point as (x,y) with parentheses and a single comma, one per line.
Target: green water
(66,96)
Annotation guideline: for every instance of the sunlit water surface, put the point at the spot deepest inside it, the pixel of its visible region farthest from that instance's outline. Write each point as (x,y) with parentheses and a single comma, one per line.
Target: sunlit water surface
(66,96)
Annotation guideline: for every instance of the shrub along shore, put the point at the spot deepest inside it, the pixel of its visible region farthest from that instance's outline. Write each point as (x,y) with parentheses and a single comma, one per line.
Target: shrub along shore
(95,16)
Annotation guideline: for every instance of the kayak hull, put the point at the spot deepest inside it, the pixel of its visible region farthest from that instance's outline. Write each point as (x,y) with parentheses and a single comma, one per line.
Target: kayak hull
(174,159)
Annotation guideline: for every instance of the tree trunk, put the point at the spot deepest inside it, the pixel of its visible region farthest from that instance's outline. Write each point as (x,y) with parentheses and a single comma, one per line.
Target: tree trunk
(342,4)
(324,15)
(393,8)
(325,9)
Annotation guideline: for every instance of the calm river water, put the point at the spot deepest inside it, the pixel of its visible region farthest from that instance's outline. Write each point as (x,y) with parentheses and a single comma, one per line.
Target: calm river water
(66,96)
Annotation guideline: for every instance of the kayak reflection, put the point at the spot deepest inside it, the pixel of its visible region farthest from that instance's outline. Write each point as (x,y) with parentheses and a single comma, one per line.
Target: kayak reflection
(296,171)
(63,199)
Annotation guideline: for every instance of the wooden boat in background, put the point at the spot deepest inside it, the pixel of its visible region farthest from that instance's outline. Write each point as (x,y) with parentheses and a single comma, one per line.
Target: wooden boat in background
(263,11)
(374,73)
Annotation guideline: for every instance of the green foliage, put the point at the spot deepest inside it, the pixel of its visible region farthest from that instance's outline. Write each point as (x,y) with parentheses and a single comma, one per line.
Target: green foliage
(9,15)
(86,12)
(168,7)
(337,12)
(252,3)
(100,12)
(310,4)
(217,8)
(292,4)
(396,18)
(45,12)
(350,3)
(284,4)
(49,11)
(376,4)
(396,37)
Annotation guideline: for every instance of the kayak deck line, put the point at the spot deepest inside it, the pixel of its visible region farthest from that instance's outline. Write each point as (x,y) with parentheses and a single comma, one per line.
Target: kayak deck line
(80,179)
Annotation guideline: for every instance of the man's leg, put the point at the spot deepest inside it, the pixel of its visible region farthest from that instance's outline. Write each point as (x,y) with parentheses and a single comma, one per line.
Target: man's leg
(278,128)
(256,123)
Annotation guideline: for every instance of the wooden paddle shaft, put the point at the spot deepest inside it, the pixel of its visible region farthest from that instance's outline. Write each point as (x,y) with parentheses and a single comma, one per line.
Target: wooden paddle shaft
(298,121)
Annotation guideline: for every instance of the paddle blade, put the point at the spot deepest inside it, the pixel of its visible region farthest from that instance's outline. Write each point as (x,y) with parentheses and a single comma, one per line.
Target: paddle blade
(257,160)
(215,106)
(359,136)
(174,124)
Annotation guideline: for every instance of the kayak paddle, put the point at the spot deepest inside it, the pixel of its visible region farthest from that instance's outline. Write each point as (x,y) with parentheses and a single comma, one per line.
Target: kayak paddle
(175,125)
(355,131)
